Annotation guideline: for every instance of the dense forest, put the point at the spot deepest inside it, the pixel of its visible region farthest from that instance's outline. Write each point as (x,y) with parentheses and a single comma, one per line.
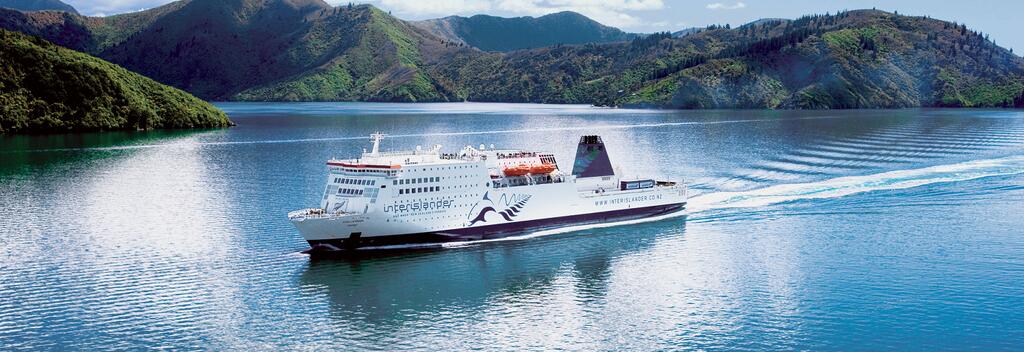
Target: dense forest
(47,88)
(307,50)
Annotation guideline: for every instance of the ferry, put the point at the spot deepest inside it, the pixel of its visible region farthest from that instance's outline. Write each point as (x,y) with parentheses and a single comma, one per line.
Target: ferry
(424,196)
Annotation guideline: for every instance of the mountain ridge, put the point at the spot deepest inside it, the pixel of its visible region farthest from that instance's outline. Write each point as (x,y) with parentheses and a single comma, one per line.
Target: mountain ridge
(283,50)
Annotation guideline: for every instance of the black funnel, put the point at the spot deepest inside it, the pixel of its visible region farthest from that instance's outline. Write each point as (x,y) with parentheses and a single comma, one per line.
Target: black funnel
(592,158)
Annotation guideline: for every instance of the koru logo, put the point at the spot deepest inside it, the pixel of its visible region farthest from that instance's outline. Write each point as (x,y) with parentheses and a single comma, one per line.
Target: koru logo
(512,205)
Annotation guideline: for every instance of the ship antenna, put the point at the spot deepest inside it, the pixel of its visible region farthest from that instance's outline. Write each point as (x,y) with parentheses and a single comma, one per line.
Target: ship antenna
(376,137)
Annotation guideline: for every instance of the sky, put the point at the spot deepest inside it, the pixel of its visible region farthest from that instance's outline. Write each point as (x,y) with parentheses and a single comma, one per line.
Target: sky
(999,19)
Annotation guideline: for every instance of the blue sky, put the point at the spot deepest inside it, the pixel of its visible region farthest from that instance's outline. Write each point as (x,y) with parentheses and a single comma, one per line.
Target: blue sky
(1000,19)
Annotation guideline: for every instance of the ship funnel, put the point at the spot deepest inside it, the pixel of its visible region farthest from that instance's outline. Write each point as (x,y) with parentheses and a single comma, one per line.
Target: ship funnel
(592,159)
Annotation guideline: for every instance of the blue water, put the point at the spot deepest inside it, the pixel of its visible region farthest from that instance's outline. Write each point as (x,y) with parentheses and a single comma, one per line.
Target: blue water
(810,230)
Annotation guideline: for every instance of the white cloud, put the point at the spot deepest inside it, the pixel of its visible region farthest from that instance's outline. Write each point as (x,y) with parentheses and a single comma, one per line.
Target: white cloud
(428,8)
(721,6)
(609,12)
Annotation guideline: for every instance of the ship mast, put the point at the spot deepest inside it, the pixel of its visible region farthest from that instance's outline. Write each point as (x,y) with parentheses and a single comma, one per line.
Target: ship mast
(375,138)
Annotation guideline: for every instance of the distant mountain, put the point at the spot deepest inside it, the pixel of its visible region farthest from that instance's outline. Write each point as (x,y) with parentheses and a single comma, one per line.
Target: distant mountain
(491,33)
(37,5)
(46,88)
(302,50)
(856,59)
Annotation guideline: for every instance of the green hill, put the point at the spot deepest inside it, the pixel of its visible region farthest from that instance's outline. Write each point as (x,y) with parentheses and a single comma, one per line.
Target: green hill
(47,88)
(492,33)
(857,59)
(373,57)
(301,50)
(263,49)
(37,5)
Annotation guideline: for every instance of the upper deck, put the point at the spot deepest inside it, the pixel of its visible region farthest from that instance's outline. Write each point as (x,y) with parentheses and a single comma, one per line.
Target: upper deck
(495,160)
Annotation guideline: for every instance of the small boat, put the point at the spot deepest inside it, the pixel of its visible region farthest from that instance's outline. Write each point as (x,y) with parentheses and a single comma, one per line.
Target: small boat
(542,169)
(518,170)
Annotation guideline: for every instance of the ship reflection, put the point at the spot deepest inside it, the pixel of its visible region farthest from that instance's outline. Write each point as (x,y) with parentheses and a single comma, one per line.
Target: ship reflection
(394,288)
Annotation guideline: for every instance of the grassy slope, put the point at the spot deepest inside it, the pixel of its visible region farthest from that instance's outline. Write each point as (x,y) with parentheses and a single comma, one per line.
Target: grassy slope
(47,88)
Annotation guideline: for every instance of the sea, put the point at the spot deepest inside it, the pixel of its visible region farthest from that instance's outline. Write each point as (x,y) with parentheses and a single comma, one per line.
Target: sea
(806,230)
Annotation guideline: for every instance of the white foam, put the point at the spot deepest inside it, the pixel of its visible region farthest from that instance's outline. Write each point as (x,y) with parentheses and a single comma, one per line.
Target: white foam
(844,186)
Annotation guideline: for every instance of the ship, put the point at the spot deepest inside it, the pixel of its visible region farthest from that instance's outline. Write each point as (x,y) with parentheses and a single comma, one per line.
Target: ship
(389,199)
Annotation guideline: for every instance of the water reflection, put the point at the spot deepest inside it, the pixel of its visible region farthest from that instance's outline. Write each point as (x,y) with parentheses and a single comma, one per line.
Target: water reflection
(814,230)
(384,289)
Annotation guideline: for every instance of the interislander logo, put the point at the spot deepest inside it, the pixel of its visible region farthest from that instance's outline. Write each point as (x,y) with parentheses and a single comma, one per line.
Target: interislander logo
(419,206)
(512,205)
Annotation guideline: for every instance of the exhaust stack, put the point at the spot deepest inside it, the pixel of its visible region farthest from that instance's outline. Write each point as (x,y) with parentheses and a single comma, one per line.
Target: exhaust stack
(592,159)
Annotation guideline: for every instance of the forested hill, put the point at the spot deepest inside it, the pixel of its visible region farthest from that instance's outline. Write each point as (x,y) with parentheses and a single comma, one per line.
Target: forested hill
(46,88)
(216,49)
(492,33)
(856,59)
(300,50)
(37,5)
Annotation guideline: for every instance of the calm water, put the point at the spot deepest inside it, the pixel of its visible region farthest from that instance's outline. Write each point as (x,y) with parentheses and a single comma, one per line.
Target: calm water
(853,230)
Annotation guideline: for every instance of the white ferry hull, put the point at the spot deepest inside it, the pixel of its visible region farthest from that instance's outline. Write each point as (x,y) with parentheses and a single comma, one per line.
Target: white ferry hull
(498,213)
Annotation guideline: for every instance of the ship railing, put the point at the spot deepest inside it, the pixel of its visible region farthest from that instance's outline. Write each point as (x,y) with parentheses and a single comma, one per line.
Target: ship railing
(316,213)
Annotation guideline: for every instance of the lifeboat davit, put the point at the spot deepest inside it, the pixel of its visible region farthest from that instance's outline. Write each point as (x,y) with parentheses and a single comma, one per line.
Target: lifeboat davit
(542,169)
(518,170)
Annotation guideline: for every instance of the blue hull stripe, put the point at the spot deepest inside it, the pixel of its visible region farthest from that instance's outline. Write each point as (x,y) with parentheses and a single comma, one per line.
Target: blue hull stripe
(499,230)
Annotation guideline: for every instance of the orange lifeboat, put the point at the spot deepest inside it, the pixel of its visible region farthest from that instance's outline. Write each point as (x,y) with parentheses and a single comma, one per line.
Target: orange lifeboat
(542,169)
(518,170)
